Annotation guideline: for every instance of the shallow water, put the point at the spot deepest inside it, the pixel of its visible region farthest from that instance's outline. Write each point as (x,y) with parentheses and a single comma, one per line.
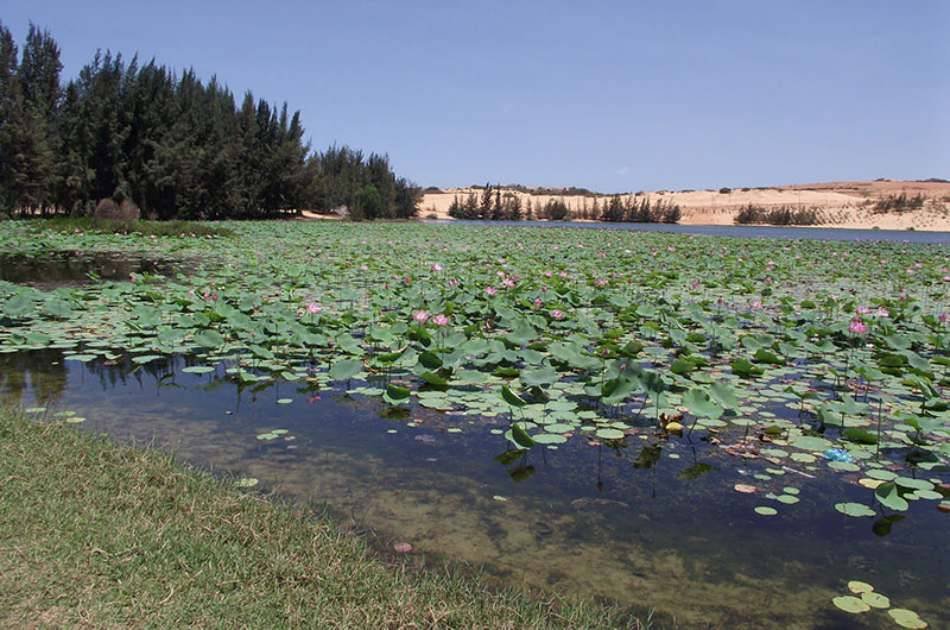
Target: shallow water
(643,526)
(737,231)
(67,269)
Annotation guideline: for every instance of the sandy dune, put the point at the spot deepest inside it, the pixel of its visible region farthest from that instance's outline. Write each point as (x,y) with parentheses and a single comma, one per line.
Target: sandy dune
(840,204)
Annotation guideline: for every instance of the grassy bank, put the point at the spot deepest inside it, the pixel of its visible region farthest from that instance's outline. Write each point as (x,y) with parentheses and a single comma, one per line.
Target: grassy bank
(96,534)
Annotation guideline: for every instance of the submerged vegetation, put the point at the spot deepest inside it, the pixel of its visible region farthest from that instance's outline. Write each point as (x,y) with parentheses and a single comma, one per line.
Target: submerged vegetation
(79,523)
(173,145)
(797,361)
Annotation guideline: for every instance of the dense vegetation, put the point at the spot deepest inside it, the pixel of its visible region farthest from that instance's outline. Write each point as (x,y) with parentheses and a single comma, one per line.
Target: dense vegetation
(801,385)
(498,203)
(782,215)
(899,203)
(176,146)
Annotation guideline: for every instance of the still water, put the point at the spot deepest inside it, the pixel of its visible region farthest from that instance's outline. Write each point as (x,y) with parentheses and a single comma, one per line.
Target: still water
(655,524)
(736,231)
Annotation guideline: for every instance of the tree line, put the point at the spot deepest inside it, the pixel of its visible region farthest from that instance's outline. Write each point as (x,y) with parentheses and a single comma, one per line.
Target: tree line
(176,146)
(497,203)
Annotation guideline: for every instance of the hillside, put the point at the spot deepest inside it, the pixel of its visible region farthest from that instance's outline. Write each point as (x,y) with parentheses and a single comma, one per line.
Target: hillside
(854,204)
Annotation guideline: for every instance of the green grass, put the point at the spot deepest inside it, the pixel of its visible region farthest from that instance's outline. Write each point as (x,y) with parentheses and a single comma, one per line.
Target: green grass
(97,534)
(146,228)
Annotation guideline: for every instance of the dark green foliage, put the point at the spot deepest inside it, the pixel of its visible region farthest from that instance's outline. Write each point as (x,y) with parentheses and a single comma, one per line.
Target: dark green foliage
(783,215)
(640,209)
(899,203)
(176,147)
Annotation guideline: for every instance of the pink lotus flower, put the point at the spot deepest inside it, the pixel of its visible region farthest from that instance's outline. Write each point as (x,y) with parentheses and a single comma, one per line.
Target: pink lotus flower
(441,320)
(538,303)
(454,283)
(420,317)
(863,310)
(857,327)
(548,274)
(436,267)
(490,291)
(756,305)
(601,282)
(508,283)
(882,312)
(556,314)
(313,308)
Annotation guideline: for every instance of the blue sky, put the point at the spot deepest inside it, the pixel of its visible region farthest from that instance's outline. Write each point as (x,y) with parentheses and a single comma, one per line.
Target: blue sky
(613,96)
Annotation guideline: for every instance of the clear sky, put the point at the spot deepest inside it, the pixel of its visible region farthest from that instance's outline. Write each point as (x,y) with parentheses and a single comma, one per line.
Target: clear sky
(613,96)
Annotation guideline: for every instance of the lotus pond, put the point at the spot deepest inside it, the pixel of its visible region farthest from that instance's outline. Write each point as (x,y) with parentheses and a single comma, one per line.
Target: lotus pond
(734,432)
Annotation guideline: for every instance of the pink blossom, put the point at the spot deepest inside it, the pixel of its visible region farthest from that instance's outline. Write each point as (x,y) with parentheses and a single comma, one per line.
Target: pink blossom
(538,303)
(436,267)
(420,316)
(601,282)
(490,291)
(863,310)
(695,284)
(508,283)
(756,305)
(857,327)
(441,320)
(313,308)
(556,314)
(548,274)
(453,283)
(407,280)
(882,312)
(942,317)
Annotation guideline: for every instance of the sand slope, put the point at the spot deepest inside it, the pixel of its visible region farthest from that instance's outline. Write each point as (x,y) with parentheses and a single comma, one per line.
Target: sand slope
(840,204)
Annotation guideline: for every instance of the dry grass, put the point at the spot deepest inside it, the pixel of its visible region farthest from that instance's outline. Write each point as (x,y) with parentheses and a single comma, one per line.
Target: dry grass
(98,535)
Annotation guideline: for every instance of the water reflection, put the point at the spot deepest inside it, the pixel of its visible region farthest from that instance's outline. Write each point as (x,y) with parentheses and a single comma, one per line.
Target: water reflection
(652,522)
(63,269)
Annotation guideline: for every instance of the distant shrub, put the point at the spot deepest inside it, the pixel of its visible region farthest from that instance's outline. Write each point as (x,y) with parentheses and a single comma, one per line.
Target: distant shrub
(432,190)
(899,203)
(725,190)
(782,215)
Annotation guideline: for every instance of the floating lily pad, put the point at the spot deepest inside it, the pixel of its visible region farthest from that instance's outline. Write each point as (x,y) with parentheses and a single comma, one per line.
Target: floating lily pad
(851,604)
(907,618)
(856,510)
(875,600)
(857,587)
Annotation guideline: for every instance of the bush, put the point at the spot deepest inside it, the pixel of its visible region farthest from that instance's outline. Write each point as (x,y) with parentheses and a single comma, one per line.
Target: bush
(725,191)
(783,215)
(899,203)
